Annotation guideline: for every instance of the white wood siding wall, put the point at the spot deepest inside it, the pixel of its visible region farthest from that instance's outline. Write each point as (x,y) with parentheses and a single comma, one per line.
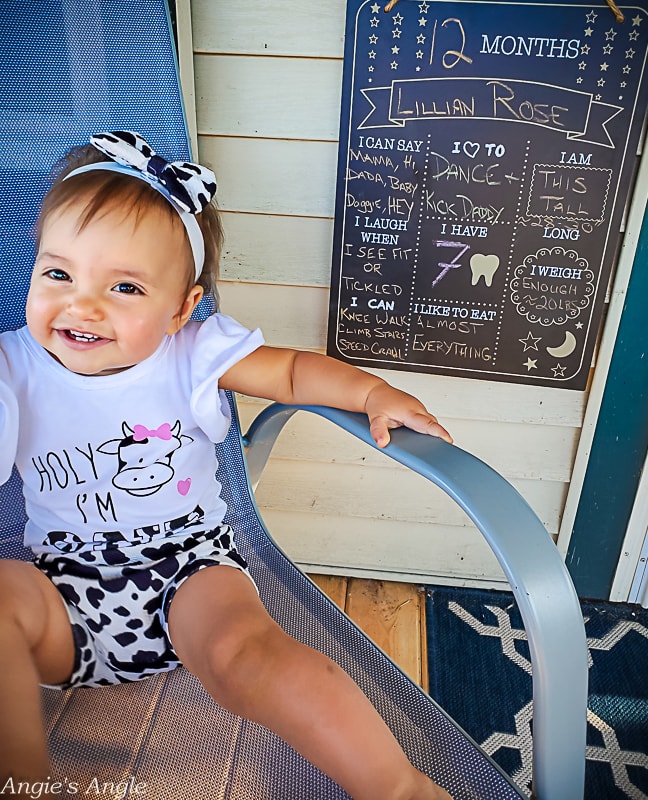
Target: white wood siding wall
(268,81)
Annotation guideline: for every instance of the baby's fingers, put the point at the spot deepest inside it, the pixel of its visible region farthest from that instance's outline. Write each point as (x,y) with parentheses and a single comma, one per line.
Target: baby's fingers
(379,429)
(428,424)
(419,422)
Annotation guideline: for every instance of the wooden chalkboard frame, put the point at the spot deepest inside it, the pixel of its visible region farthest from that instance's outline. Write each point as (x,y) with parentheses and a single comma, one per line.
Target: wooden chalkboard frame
(487,154)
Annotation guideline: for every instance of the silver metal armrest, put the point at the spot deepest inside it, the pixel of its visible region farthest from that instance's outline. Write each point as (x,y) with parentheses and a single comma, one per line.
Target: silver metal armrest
(538,577)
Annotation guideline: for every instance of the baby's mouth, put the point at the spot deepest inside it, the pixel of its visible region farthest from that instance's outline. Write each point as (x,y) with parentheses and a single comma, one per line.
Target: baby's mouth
(81,337)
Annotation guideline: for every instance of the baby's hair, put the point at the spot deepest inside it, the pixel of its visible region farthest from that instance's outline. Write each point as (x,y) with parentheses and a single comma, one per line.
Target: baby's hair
(114,189)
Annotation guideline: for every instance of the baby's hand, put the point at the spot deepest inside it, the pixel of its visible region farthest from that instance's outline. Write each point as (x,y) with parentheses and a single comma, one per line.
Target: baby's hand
(389,408)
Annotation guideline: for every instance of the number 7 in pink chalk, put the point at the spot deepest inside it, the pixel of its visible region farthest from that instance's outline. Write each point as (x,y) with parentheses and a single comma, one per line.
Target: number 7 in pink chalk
(445,267)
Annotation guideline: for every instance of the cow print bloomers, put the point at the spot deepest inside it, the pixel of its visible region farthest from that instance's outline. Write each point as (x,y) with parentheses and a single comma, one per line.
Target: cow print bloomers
(118,600)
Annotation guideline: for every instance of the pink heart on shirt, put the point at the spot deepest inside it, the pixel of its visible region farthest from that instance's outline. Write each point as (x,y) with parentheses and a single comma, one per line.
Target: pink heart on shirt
(184,486)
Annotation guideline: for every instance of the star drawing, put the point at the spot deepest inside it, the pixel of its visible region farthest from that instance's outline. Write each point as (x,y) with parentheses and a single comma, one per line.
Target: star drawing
(531,363)
(558,371)
(530,342)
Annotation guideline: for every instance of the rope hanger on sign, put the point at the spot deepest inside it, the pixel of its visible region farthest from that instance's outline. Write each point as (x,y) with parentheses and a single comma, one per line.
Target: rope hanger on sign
(618,14)
(613,6)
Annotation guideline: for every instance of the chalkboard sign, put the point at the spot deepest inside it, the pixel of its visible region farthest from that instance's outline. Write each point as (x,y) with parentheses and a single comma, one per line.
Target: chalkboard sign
(487,154)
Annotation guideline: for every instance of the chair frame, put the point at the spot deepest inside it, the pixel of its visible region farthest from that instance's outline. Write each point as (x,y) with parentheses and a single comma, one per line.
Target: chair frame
(537,575)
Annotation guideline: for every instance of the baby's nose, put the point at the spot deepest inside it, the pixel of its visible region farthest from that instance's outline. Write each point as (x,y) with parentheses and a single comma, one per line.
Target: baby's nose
(85,305)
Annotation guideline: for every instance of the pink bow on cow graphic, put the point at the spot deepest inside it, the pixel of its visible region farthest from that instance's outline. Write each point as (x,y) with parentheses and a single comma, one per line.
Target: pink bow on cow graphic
(141,432)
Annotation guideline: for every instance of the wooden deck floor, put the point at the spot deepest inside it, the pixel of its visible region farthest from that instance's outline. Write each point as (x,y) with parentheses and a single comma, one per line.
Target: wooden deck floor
(392,614)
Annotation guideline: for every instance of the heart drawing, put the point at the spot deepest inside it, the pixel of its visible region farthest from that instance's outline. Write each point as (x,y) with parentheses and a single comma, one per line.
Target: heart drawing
(184,486)
(471,148)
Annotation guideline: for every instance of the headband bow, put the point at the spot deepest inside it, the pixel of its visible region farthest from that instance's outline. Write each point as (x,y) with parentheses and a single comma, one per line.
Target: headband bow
(188,185)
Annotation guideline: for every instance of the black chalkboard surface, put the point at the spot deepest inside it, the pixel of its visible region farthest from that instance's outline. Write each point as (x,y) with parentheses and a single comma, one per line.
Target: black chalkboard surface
(487,154)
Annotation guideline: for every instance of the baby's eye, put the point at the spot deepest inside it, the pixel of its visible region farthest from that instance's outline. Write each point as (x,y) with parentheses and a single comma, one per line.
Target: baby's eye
(57,274)
(127,288)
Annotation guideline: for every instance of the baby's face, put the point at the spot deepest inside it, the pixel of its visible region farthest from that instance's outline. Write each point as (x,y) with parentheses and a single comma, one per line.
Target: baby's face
(102,299)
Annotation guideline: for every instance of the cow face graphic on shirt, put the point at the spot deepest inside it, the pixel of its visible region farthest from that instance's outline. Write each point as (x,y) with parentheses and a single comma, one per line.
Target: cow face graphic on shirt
(144,457)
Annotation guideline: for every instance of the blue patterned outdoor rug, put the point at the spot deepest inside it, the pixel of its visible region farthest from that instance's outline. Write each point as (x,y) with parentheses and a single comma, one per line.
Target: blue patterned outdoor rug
(480,673)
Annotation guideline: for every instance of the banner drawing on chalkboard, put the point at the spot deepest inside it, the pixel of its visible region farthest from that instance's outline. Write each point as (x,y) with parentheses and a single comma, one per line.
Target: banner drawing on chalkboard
(487,155)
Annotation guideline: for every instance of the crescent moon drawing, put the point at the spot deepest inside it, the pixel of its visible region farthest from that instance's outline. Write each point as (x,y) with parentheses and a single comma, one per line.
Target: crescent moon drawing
(566,348)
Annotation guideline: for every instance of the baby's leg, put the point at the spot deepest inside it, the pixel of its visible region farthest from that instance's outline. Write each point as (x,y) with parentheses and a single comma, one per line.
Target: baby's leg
(36,646)
(223,634)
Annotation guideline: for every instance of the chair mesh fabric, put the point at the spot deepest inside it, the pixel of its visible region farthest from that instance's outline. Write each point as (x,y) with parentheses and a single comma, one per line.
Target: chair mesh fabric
(70,69)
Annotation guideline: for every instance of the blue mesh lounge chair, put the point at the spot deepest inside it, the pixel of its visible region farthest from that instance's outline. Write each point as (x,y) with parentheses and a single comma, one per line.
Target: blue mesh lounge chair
(68,69)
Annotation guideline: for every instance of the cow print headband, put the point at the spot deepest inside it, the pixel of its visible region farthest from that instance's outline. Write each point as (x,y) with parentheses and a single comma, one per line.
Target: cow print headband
(188,187)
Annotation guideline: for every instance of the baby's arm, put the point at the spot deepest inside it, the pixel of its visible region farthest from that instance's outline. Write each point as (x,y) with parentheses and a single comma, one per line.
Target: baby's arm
(303,378)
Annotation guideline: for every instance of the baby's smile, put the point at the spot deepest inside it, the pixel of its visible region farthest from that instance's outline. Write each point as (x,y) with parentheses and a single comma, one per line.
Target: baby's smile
(82,338)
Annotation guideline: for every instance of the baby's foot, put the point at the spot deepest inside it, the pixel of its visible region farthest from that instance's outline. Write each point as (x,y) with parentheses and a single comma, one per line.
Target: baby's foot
(439,793)
(426,789)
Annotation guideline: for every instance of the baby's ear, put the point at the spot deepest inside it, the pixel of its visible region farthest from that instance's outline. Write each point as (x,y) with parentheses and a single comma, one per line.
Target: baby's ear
(186,309)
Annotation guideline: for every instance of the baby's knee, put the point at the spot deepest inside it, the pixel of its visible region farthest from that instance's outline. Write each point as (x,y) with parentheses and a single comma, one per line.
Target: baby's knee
(237,661)
(28,600)
(236,652)
(15,625)
(14,580)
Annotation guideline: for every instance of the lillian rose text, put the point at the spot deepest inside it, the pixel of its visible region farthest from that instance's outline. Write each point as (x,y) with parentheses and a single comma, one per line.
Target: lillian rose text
(114,790)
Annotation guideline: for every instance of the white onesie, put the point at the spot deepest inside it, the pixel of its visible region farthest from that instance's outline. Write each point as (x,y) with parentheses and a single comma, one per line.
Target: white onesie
(119,458)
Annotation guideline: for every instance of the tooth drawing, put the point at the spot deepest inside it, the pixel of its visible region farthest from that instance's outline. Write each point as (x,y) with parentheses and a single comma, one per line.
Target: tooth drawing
(565,349)
(483,266)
